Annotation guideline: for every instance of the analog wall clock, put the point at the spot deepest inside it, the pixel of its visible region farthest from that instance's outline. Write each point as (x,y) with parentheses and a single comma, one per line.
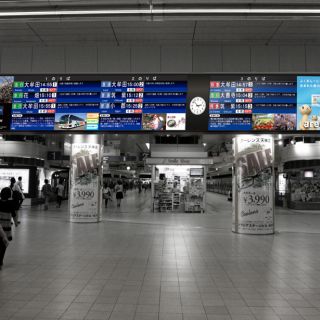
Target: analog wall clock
(197,105)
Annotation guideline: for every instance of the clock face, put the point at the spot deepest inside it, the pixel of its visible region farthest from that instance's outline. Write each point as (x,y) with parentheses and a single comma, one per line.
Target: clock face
(197,105)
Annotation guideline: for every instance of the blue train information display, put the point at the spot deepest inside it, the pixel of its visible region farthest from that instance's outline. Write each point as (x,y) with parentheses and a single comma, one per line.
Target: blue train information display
(110,105)
(160,103)
(246,103)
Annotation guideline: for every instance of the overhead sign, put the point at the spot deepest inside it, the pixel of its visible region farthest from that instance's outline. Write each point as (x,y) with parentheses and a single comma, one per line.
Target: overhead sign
(178,161)
(161,103)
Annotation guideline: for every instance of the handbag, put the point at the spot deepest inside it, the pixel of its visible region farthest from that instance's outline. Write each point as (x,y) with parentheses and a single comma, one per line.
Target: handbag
(107,195)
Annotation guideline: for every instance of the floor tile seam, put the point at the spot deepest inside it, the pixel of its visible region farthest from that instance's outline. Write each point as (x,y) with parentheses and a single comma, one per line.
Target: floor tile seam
(144,276)
(76,295)
(166,226)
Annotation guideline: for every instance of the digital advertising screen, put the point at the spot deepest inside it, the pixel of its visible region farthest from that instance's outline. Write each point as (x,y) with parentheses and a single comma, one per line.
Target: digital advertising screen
(7,173)
(308,104)
(160,103)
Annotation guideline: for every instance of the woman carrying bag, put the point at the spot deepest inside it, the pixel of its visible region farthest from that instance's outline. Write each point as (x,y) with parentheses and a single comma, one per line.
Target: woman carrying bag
(119,192)
(16,195)
(107,195)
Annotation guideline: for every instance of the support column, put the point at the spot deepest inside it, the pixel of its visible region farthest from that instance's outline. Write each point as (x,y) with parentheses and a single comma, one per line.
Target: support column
(85,203)
(253,184)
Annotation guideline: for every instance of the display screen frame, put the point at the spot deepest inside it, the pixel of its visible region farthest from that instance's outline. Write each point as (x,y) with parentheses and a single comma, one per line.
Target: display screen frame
(197,172)
(308,174)
(198,84)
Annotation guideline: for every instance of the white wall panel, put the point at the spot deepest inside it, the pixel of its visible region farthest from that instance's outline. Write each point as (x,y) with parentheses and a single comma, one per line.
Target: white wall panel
(313,58)
(309,151)
(145,59)
(25,149)
(114,59)
(81,59)
(16,60)
(156,59)
(236,59)
(176,59)
(292,59)
(48,59)
(178,151)
(207,59)
(265,59)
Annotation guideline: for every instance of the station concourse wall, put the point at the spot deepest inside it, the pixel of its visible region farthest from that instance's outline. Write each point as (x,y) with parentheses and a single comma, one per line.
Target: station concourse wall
(166,59)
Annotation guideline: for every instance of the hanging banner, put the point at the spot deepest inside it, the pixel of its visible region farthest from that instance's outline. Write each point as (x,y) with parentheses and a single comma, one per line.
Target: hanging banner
(253,185)
(85,189)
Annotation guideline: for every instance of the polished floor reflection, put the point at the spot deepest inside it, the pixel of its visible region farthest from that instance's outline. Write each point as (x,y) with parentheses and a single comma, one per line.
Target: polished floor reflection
(139,265)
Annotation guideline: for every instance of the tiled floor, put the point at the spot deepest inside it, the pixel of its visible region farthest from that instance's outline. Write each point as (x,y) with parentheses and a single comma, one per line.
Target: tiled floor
(143,266)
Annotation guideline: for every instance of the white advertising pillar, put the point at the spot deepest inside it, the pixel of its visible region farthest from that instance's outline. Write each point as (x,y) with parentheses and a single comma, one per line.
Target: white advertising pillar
(85,203)
(253,184)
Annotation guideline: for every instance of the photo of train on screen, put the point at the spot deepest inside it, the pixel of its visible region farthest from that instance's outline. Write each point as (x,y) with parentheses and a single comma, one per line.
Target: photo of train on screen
(70,121)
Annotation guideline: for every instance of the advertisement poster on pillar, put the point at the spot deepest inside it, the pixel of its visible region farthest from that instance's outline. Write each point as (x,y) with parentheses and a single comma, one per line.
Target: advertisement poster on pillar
(253,211)
(85,198)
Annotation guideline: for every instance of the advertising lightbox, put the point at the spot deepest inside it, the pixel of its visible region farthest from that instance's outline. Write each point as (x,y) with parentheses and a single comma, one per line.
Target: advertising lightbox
(7,173)
(253,185)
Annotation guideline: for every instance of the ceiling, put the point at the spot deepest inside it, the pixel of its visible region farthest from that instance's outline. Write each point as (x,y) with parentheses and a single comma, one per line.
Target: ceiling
(126,31)
(122,33)
(51,3)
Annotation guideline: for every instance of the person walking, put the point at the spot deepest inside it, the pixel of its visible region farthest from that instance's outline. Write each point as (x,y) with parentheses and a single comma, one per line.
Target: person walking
(59,190)
(125,186)
(107,195)
(19,183)
(46,192)
(119,192)
(7,211)
(139,186)
(16,196)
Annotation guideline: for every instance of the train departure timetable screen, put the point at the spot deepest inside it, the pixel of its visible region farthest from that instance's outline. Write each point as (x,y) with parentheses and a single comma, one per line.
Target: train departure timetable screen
(245,103)
(112,105)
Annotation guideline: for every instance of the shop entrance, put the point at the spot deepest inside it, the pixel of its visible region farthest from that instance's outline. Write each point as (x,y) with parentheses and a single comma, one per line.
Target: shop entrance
(179,188)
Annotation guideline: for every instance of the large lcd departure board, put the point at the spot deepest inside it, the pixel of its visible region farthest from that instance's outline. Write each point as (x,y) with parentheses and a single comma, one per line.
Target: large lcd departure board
(161,103)
(114,104)
(245,103)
